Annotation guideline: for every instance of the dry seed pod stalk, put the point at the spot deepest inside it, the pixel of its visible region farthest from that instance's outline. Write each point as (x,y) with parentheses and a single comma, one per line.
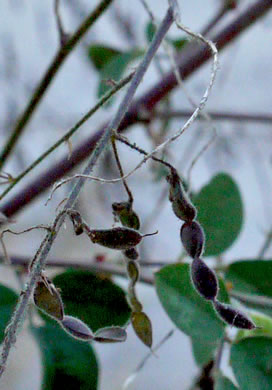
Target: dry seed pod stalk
(47,298)
(76,328)
(181,204)
(193,238)
(124,213)
(119,238)
(204,279)
(232,316)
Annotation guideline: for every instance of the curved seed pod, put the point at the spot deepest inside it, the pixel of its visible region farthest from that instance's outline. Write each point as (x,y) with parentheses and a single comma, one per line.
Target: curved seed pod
(232,316)
(77,221)
(133,271)
(181,204)
(76,328)
(120,238)
(47,298)
(193,238)
(114,334)
(142,327)
(131,253)
(204,279)
(124,213)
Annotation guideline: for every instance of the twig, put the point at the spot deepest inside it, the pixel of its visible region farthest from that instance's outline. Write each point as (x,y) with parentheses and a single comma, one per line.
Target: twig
(257,300)
(216,115)
(191,58)
(51,72)
(63,36)
(12,329)
(69,134)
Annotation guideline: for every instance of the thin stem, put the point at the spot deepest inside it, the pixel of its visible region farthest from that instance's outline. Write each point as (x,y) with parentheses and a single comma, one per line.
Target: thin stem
(266,245)
(47,79)
(257,300)
(62,35)
(118,162)
(192,57)
(223,10)
(69,134)
(12,329)
(215,115)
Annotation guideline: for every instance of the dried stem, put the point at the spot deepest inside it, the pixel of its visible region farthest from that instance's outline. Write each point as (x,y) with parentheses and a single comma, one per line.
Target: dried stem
(47,79)
(37,267)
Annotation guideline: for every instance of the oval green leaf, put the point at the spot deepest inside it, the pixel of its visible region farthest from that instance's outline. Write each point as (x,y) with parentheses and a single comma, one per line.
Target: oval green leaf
(97,302)
(100,55)
(223,383)
(189,312)
(8,299)
(67,363)
(220,212)
(251,363)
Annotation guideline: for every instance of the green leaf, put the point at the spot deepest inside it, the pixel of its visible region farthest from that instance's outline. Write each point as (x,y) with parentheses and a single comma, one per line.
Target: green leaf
(251,361)
(223,383)
(150,31)
(115,68)
(97,302)
(220,212)
(68,364)
(179,43)
(252,277)
(8,299)
(100,55)
(203,352)
(189,312)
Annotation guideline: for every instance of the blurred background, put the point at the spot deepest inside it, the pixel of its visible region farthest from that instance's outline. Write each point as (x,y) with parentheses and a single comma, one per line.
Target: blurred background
(28,41)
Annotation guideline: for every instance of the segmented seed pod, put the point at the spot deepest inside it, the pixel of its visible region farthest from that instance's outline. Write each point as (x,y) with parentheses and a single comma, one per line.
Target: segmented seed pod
(204,279)
(120,238)
(193,238)
(142,327)
(124,213)
(232,316)
(131,253)
(133,271)
(47,298)
(76,328)
(181,204)
(113,334)
(135,305)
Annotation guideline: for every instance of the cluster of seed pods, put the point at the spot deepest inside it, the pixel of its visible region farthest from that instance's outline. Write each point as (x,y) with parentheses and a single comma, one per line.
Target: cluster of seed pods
(193,239)
(48,299)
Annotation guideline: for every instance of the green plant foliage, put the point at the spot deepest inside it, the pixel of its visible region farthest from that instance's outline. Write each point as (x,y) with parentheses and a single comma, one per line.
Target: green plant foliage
(223,383)
(8,299)
(100,55)
(150,31)
(115,68)
(203,352)
(190,313)
(97,302)
(68,364)
(220,212)
(251,363)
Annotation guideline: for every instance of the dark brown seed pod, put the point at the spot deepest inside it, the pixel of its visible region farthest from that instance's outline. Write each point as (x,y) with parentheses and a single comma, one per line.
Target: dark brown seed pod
(47,298)
(181,204)
(76,328)
(77,221)
(193,238)
(204,279)
(133,271)
(142,327)
(131,253)
(124,213)
(113,334)
(232,316)
(120,238)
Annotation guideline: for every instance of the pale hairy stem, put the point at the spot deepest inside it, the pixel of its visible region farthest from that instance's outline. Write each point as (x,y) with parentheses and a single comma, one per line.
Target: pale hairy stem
(40,262)
(48,77)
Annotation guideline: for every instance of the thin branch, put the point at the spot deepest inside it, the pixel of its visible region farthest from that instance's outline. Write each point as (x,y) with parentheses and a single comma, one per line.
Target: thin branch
(258,300)
(48,77)
(12,329)
(192,57)
(267,243)
(69,134)
(63,36)
(216,115)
